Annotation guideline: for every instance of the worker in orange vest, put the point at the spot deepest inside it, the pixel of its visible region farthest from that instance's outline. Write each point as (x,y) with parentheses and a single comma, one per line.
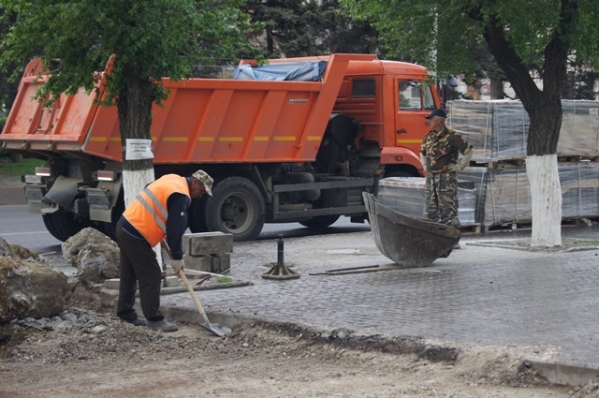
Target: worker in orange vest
(158,212)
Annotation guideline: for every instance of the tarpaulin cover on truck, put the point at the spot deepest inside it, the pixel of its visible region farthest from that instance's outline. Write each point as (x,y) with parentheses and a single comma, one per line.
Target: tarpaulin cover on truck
(290,71)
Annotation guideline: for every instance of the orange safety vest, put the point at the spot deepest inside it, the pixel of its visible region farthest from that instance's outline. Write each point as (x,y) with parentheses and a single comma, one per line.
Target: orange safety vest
(148,211)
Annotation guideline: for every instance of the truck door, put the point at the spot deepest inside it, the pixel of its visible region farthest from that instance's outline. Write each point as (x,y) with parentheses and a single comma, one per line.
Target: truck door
(414,100)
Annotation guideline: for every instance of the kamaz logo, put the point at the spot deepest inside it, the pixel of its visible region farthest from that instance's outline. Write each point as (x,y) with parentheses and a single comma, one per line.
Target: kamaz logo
(298,101)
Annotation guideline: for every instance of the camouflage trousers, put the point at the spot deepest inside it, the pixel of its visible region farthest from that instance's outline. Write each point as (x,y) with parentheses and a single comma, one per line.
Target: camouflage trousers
(441,197)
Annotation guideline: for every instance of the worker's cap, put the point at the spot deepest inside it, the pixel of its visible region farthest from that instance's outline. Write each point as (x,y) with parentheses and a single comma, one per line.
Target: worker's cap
(437,112)
(204,179)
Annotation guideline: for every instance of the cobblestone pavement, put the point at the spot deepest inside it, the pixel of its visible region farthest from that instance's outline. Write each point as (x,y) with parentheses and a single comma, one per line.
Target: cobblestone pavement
(481,295)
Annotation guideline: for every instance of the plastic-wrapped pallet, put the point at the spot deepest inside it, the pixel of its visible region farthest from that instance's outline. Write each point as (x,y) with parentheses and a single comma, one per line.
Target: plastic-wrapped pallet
(498,129)
(403,194)
(504,193)
(580,189)
(579,135)
(406,195)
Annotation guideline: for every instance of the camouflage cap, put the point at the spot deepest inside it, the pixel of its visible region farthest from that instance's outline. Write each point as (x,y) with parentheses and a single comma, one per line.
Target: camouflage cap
(204,179)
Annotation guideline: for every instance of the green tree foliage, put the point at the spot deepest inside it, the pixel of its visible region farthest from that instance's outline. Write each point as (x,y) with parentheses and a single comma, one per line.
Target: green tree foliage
(580,80)
(8,88)
(148,38)
(344,34)
(294,28)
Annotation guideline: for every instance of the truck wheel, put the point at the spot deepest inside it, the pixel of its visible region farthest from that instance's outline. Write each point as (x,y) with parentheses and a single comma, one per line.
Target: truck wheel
(236,207)
(61,224)
(196,219)
(320,222)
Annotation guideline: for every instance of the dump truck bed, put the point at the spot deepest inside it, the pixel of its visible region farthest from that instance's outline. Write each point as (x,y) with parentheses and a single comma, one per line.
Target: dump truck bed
(202,121)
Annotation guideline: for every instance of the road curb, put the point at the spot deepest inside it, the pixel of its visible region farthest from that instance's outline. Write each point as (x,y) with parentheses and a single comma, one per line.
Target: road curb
(188,315)
(563,373)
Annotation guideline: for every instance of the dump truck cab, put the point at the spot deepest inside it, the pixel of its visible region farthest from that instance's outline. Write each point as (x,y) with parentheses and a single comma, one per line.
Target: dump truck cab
(390,99)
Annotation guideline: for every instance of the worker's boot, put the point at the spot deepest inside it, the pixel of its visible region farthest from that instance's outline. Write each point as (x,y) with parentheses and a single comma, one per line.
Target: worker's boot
(163,325)
(136,321)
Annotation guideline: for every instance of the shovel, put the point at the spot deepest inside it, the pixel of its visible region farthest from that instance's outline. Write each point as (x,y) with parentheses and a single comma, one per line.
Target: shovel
(215,328)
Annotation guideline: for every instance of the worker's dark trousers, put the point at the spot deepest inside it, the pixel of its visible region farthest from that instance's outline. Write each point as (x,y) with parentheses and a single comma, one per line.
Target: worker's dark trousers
(138,263)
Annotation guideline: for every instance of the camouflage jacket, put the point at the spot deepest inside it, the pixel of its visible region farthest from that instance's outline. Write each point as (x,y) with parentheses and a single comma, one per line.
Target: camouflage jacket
(442,149)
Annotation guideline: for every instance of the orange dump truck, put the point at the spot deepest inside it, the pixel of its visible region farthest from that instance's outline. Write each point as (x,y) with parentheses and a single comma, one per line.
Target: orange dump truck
(279,151)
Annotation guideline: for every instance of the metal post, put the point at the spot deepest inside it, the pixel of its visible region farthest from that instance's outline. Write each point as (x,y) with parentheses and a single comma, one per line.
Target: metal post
(280,251)
(280,270)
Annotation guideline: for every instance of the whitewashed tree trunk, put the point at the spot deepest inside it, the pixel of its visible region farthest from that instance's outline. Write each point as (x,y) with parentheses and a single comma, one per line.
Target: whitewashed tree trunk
(546,194)
(134,181)
(134,106)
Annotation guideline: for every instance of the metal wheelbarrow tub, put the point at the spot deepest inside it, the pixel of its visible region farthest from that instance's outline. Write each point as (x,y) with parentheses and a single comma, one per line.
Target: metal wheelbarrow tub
(406,240)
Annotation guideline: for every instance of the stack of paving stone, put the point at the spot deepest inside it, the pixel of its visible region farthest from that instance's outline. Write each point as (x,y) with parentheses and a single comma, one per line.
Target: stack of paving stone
(498,131)
(503,194)
(499,191)
(208,251)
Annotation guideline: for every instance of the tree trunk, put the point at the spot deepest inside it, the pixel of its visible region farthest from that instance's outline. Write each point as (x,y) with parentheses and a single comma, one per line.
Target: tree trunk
(546,195)
(270,42)
(545,112)
(134,106)
(497,91)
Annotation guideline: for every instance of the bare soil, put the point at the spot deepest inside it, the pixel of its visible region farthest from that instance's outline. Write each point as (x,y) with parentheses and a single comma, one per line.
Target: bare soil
(102,357)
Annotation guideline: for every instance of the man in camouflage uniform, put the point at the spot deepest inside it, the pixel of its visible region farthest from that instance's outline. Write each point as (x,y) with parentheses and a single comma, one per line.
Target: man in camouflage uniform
(443,153)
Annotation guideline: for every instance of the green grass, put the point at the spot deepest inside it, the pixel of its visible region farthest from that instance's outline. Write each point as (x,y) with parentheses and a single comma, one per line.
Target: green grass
(26,166)
(224,279)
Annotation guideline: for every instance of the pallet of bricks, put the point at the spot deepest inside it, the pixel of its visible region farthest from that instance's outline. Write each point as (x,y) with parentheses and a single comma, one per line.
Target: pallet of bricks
(498,131)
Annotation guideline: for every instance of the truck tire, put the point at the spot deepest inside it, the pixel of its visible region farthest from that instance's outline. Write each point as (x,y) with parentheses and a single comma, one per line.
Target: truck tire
(320,222)
(61,224)
(236,207)
(196,218)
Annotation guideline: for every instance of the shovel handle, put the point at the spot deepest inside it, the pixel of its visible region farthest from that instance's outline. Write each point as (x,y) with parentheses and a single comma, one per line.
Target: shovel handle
(187,284)
(193,295)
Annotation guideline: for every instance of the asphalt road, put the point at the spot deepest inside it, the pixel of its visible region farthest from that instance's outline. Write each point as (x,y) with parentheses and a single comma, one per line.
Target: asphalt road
(18,226)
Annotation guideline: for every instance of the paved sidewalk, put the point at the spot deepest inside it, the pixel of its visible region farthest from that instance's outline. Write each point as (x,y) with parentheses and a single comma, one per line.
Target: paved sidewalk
(481,295)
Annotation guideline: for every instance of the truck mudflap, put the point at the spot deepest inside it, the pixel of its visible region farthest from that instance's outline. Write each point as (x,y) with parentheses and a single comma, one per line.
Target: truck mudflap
(408,241)
(63,191)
